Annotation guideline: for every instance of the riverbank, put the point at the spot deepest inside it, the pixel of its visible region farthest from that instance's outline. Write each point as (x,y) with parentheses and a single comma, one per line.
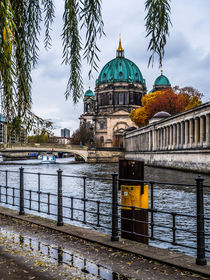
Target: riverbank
(163,256)
(36,163)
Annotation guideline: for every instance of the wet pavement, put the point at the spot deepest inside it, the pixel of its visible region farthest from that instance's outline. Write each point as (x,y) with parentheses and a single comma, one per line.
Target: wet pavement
(28,251)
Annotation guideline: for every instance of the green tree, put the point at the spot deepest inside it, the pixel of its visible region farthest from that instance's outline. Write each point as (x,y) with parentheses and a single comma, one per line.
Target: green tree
(20,23)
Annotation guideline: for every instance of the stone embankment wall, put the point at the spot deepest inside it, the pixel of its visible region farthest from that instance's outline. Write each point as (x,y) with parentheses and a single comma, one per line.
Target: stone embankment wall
(198,161)
(103,155)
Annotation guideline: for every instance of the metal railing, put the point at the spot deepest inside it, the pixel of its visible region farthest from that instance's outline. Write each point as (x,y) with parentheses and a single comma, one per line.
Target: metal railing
(105,213)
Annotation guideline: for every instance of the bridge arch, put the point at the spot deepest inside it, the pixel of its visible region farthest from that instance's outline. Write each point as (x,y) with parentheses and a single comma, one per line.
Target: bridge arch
(83,153)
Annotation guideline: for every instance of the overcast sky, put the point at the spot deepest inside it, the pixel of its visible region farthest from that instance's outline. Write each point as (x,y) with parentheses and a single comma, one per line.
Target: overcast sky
(186,62)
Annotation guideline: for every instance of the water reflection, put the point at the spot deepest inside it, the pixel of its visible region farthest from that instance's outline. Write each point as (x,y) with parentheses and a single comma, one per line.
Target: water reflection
(59,256)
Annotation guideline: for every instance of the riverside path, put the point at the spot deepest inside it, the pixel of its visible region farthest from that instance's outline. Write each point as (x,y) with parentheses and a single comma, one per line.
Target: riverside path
(30,251)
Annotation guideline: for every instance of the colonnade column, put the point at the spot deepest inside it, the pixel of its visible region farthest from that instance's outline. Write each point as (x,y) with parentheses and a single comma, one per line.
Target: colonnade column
(208,130)
(186,134)
(177,136)
(167,132)
(191,132)
(171,136)
(174,136)
(154,138)
(161,138)
(196,132)
(164,138)
(201,130)
(182,134)
(150,142)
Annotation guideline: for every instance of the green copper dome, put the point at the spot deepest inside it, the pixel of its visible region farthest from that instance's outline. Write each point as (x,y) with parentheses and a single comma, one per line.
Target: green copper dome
(162,81)
(89,93)
(120,69)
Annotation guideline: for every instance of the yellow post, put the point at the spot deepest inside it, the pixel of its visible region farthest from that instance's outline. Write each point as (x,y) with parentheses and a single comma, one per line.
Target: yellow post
(131,196)
(133,216)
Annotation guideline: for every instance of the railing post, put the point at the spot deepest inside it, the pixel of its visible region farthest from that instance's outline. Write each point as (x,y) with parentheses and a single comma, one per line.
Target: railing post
(200,260)
(60,202)
(21,204)
(84,199)
(114,236)
(39,190)
(152,210)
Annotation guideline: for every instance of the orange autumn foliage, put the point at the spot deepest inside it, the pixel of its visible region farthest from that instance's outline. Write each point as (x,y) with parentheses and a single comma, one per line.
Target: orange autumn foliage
(165,100)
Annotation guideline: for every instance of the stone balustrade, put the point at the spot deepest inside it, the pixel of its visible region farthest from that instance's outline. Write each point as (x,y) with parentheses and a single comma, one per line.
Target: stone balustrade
(184,131)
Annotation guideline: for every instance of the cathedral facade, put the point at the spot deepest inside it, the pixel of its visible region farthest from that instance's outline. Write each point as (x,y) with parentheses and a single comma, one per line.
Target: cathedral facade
(119,89)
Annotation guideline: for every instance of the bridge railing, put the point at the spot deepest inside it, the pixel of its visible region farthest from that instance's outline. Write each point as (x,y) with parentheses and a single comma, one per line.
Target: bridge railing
(43,145)
(177,213)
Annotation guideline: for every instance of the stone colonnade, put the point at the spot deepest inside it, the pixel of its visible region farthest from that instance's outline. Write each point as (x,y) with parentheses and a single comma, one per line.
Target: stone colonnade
(188,130)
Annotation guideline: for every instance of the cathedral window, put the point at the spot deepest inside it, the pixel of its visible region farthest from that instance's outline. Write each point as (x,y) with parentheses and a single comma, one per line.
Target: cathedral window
(116,99)
(126,98)
(103,100)
(1,133)
(121,98)
(102,125)
(88,107)
(102,140)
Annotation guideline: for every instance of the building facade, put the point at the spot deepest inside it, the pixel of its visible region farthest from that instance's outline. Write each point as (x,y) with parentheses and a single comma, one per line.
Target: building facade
(119,89)
(65,132)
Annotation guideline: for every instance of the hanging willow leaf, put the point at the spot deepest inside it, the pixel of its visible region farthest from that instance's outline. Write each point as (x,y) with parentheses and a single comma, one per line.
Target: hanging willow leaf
(157,27)
(19,30)
(72,46)
(91,18)
(80,15)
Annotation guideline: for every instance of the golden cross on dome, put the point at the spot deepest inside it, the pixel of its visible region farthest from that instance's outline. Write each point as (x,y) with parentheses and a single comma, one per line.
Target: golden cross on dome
(161,71)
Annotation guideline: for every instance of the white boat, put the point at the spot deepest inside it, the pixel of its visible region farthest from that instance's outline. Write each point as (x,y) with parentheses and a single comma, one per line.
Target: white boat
(48,159)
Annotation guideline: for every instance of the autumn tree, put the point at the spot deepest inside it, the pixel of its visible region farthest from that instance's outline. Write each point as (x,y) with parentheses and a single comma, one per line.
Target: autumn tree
(165,100)
(192,96)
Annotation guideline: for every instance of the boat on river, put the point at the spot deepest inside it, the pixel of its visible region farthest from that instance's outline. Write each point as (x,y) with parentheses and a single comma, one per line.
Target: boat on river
(48,158)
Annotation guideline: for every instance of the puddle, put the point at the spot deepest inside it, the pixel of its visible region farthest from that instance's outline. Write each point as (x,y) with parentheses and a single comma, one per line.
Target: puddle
(43,253)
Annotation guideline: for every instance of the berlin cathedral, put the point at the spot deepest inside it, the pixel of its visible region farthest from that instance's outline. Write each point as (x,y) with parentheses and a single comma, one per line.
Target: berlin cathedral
(119,89)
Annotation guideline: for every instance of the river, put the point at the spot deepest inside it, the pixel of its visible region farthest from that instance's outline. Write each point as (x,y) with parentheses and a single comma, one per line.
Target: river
(168,198)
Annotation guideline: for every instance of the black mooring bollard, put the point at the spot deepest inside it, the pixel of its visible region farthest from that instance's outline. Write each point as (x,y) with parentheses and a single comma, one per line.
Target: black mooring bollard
(21,203)
(60,202)
(200,260)
(114,236)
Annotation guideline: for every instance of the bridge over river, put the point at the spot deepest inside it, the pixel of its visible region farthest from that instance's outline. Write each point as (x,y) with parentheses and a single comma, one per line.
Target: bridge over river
(91,155)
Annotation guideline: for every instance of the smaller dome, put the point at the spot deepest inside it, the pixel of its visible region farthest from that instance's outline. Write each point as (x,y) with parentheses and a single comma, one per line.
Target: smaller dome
(89,93)
(162,81)
(162,114)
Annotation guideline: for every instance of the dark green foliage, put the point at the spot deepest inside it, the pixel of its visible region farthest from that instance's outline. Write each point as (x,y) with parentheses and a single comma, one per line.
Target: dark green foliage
(20,23)
(157,27)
